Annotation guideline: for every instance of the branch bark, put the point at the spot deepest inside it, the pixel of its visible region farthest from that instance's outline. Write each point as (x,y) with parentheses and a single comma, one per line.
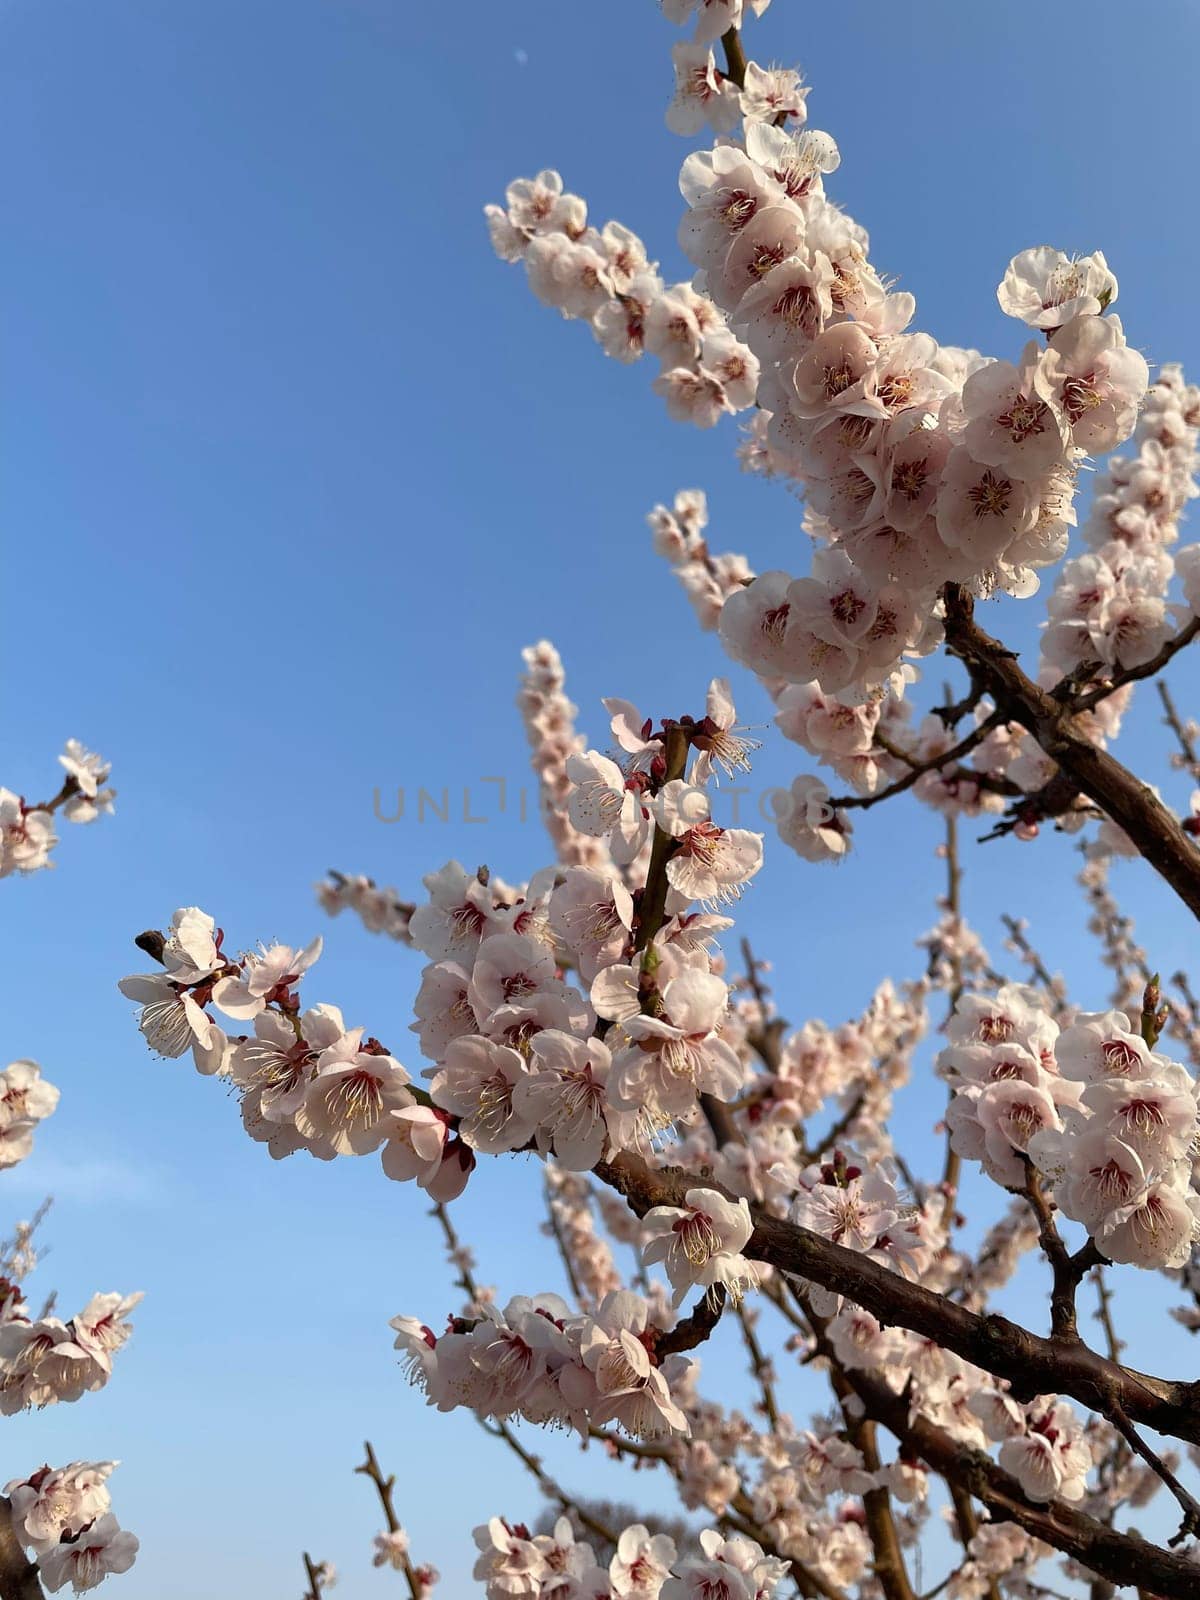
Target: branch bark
(1032,1365)
(1100,776)
(18,1576)
(1123,1558)
(313,1591)
(384,1488)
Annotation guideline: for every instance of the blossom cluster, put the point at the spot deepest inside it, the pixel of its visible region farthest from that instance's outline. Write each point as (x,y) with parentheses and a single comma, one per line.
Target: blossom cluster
(549,719)
(860,1207)
(1042,1444)
(604,278)
(306,1081)
(517,1060)
(557,1018)
(380,910)
(708,580)
(1109,605)
(513,1562)
(44,1360)
(1109,1122)
(707,96)
(538,1360)
(856,1065)
(26,1099)
(921,464)
(63,1516)
(27,834)
(713,17)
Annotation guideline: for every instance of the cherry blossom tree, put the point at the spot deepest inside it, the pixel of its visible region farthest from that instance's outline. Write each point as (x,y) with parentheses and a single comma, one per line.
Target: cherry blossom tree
(703,1160)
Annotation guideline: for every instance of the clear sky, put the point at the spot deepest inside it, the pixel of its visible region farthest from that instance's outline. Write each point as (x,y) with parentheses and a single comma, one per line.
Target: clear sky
(293,468)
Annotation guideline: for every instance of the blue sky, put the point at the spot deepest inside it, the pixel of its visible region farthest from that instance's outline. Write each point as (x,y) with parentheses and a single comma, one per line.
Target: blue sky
(293,470)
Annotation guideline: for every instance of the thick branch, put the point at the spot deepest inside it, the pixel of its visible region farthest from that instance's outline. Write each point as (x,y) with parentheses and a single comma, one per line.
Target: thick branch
(18,1575)
(1122,796)
(1125,1558)
(1032,1365)
(890,1568)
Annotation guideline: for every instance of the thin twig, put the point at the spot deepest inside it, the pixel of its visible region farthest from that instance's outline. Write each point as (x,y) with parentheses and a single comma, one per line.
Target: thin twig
(1188,1505)
(1147,669)
(760,1366)
(1104,1315)
(1187,744)
(549,1487)
(964,747)
(314,1578)
(385,1488)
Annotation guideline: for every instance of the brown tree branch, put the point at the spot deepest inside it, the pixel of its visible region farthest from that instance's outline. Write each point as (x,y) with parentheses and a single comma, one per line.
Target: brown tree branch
(1124,1558)
(1032,1365)
(952,1163)
(1187,745)
(891,1570)
(768,1036)
(968,1526)
(964,747)
(653,908)
(1123,675)
(1068,1269)
(18,1576)
(694,1329)
(1104,1315)
(760,1366)
(735,57)
(549,1487)
(385,1487)
(1097,774)
(313,1576)
(1187,1504)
